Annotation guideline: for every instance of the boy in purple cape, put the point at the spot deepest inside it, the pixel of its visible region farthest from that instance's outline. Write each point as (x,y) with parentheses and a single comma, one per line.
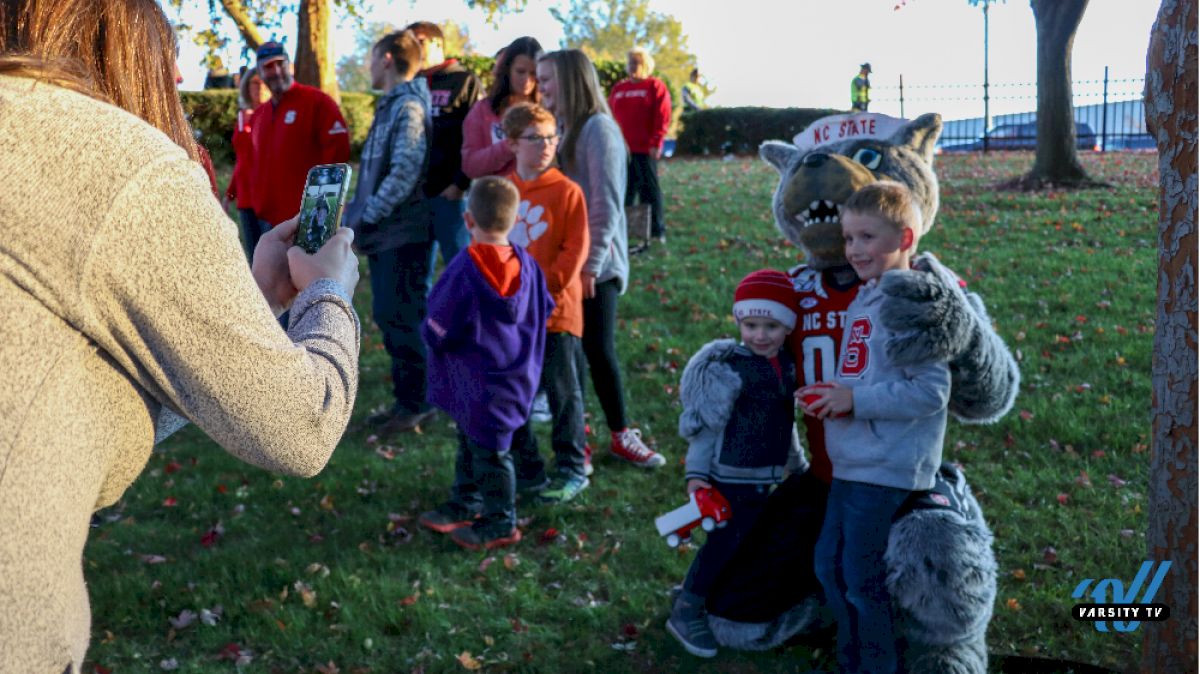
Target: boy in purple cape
(486,336)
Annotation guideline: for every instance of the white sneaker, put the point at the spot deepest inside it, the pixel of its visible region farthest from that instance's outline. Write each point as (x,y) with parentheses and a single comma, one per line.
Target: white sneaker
(541,409)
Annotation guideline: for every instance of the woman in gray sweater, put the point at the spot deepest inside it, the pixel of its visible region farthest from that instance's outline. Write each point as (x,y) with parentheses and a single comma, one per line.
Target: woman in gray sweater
(593,154)
(125,293)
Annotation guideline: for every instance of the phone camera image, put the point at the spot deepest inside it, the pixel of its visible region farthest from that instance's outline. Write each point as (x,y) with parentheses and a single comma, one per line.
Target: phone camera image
(321,207)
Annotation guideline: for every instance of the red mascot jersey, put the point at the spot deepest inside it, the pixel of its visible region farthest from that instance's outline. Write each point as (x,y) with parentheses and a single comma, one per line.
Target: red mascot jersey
(820,317)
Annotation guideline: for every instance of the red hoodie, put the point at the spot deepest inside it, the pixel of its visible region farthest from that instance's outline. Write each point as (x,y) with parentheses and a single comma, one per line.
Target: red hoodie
(642,109)
(304,129)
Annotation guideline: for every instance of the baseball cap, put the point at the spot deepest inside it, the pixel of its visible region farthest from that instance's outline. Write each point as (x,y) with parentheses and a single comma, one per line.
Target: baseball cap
(865,66)
(269,51)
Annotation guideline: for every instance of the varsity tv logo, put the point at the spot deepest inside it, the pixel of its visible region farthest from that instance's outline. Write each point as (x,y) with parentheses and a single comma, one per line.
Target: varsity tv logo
(1125,615)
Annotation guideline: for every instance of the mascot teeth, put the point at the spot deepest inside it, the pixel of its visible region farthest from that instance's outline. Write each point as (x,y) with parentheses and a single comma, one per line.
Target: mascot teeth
(820,211)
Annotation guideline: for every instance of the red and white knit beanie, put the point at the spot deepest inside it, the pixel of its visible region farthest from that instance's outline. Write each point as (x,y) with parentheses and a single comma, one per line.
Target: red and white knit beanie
(766,293)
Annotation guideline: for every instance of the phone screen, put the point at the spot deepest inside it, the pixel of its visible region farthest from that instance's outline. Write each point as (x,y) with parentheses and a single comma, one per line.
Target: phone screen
(321,207)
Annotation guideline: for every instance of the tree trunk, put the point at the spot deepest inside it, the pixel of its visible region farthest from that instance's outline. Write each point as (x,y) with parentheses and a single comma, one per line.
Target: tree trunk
(1172,499)
(314,58)
(1057,160)
(241,18)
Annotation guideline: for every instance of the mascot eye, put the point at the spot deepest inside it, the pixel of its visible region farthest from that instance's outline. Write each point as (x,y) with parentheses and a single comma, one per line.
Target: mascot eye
(868,157)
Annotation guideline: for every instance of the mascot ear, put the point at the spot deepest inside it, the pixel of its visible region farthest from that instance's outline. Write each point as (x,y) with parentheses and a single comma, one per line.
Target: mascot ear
(921,135)
(778,154)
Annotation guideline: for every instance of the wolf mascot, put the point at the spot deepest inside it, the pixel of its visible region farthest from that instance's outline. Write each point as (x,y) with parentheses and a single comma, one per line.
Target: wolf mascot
(941,570)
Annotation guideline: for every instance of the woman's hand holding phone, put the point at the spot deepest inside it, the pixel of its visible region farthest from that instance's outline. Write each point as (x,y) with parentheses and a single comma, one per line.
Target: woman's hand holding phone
(335,260)
(270,266)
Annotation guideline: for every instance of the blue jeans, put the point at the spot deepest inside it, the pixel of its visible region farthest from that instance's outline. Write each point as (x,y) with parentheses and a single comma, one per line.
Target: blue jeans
(252,230)
(399,292)
(449,231)
(849,563)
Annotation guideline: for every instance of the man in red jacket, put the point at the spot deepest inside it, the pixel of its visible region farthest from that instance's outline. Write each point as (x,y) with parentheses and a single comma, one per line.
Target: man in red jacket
(300,127)
(641,105)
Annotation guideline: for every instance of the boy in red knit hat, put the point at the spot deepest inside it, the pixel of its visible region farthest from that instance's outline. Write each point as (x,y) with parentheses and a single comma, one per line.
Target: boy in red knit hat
(738,418)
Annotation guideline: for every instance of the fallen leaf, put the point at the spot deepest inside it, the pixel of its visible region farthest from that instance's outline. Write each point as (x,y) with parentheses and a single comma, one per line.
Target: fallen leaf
(213,535)
(211,618)
(185,618)
(1127,533)
(153,559)
(1013,604)
(467,661)
(1026,415)
(511,561)
(410,600)
(307,595)
(483,566)
(1116,481)
(1050,554)
(170,502)
(171,467)
(1018,574)
(1083,480)
(1063,498)
(329,668)
(629,630)
(168,665)
(548,536)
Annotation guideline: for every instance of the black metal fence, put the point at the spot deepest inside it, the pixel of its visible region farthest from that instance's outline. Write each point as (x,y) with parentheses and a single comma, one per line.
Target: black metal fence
(1109,114)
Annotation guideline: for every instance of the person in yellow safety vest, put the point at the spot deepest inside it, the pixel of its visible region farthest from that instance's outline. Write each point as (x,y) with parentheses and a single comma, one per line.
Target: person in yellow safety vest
(693,93)
(860,89)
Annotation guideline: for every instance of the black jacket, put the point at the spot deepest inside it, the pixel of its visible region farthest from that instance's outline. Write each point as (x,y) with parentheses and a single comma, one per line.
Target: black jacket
(453,89)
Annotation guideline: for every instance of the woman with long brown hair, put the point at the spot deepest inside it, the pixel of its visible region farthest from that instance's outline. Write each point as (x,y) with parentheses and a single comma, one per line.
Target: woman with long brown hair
(485,151)
(124,293)
(592,154)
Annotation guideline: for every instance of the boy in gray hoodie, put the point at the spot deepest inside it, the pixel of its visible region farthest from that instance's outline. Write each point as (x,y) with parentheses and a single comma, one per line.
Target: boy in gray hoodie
(392,222)
(884,427)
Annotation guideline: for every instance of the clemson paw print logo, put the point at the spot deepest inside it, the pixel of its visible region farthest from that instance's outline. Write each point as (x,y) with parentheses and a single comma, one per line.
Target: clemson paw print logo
(530,226)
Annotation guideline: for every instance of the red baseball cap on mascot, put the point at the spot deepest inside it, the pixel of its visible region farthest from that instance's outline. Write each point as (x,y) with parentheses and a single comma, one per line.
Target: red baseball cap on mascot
(766,293)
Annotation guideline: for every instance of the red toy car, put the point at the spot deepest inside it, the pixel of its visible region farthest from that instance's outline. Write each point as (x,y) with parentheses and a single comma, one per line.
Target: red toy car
(705,508)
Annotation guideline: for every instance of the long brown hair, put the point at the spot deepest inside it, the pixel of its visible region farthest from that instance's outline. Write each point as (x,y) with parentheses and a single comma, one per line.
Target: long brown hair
(579,96)
(118,51)
(502,85)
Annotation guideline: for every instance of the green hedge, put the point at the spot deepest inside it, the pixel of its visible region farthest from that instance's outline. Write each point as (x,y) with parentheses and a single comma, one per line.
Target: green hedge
(741,130)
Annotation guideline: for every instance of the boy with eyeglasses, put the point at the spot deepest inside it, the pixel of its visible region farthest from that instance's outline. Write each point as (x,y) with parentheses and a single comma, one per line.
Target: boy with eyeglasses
(552,224)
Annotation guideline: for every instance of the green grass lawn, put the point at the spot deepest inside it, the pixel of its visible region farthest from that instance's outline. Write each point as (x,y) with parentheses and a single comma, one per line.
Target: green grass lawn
(333,574)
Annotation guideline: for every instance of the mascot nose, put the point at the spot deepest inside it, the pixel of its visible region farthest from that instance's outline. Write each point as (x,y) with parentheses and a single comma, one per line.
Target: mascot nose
(815,159)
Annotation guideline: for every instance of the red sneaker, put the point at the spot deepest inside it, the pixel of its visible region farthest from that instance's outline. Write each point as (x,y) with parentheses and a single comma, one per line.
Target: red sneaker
(628,445)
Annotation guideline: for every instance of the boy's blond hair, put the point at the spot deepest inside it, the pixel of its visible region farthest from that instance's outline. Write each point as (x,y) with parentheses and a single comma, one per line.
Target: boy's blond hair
(522,116)
(889,201)
(492,203)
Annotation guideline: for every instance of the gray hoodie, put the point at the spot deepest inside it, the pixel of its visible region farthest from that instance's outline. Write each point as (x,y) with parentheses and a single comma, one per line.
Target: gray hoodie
(389,208)
(893,437)
(600,168)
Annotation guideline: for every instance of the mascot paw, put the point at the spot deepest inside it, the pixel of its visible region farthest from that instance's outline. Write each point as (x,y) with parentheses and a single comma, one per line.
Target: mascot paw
(931,319)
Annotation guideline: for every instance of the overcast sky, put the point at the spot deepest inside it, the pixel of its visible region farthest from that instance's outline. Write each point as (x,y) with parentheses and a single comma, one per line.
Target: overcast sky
(804,52)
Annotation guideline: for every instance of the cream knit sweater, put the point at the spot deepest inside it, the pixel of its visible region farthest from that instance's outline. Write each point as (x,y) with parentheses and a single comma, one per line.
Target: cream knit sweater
(123,287)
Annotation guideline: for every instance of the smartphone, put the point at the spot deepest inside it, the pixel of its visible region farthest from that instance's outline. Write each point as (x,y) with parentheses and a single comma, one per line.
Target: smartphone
(325,193)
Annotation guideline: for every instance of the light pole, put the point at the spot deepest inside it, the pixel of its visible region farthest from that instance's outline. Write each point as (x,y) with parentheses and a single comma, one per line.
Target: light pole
(986,120)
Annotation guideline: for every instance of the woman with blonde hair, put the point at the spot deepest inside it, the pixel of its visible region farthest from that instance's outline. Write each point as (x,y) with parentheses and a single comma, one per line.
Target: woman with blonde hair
(592,153)
(125,294)
(252,92)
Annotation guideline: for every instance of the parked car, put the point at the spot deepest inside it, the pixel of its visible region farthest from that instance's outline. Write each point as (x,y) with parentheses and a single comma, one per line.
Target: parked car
(1139,141)
(1023,137)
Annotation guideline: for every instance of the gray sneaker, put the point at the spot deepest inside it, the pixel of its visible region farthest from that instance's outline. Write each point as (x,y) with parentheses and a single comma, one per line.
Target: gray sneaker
(540,413)
(689,625)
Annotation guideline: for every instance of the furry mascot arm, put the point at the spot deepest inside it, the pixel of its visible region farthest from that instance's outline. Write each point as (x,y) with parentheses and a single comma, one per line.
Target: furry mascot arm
(936,319)
(707,392)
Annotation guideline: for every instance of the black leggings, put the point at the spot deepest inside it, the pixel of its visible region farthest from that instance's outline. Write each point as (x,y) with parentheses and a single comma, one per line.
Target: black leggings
(600,347)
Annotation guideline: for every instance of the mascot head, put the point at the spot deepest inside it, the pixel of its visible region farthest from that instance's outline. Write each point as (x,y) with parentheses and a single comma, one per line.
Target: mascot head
(836,155)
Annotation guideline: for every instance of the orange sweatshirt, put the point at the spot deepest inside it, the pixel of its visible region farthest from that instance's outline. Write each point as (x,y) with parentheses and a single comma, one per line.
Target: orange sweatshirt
(552,225)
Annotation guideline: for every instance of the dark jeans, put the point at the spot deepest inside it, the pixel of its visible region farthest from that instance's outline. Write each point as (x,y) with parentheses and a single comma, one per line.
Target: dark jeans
(450,233)
(252,231)
(849,563)
(560,380)
(746,503)
(642,187)
(484,482)
(772,570)
(600,347)
(399,291)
